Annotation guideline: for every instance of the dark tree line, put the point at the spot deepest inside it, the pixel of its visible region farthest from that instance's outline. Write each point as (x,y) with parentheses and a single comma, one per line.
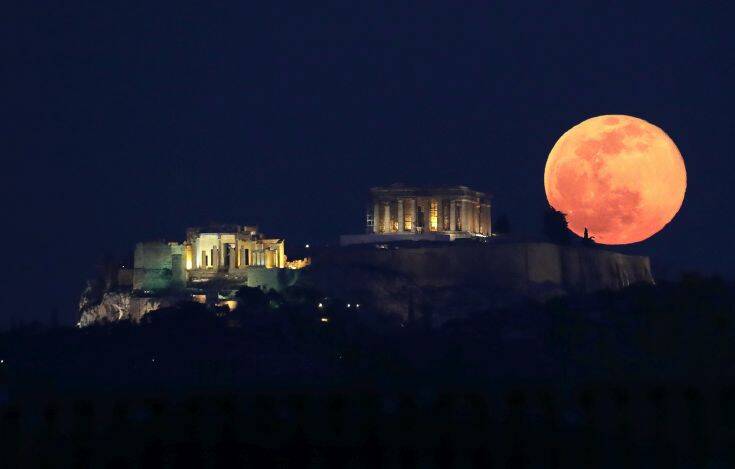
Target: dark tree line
(556,229)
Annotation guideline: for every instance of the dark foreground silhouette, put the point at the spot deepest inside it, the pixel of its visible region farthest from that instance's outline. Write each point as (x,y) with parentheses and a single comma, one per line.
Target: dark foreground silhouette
(640,377)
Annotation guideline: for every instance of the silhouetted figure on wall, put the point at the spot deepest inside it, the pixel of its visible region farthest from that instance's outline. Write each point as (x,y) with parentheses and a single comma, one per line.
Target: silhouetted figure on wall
(588,240)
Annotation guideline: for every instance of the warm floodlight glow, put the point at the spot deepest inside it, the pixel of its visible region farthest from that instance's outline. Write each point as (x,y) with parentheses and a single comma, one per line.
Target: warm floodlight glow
(231,304)
(324,319)
(189,257)
(620,177)
(433,215)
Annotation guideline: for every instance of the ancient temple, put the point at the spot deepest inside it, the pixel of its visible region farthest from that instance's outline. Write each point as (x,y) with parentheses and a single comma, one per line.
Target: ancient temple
(231,247)
(228,252)
(399,212)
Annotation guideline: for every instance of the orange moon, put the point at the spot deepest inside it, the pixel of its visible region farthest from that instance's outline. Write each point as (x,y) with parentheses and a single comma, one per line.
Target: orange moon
(620,177)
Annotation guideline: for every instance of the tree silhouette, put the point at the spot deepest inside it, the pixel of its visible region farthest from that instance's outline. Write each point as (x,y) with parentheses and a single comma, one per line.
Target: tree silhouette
(252,299)
(556,227)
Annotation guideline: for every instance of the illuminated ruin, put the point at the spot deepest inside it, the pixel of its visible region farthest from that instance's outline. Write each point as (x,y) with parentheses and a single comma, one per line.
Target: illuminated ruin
(398,213)
(225,252)
(435,276)
(208,267)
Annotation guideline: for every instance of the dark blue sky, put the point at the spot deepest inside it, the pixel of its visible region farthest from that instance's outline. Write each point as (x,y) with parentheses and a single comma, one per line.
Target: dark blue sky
(132,121)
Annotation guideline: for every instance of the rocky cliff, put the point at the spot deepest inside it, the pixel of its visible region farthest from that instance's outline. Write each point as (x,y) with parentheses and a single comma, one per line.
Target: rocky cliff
(447,280)
(434,281)
(110,306)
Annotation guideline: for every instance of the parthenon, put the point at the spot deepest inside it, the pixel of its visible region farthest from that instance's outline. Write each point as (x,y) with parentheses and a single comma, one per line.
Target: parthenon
(399,212)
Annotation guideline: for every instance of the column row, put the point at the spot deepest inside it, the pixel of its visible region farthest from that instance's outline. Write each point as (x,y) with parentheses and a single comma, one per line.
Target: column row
(430,215)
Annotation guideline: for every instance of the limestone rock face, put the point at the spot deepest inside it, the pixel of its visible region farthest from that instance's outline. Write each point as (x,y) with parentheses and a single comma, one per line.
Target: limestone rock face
(115,306)
(449,280)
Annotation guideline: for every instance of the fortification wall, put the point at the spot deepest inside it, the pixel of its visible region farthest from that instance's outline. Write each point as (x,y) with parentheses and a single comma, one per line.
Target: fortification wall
(455,279)
(119,306)
(178,268)
(153,266)
(271,279)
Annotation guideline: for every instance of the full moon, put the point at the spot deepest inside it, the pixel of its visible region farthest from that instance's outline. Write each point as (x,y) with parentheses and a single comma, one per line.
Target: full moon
(620,177)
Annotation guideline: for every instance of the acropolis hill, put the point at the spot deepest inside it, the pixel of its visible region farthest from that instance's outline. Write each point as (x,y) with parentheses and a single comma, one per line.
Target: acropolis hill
(426,252)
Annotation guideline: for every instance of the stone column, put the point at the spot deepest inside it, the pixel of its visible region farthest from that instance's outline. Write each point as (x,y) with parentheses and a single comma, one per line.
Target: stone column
(386,217)
(422,203)
(465,216)
(400,215)
(471,215)
(188,257)
(452,215)
(477,217)
(233,257)
(411,209)
(473,219)
(376,217)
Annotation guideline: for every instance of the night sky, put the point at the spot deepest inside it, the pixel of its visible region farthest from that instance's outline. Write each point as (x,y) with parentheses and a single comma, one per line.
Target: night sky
(131,122)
